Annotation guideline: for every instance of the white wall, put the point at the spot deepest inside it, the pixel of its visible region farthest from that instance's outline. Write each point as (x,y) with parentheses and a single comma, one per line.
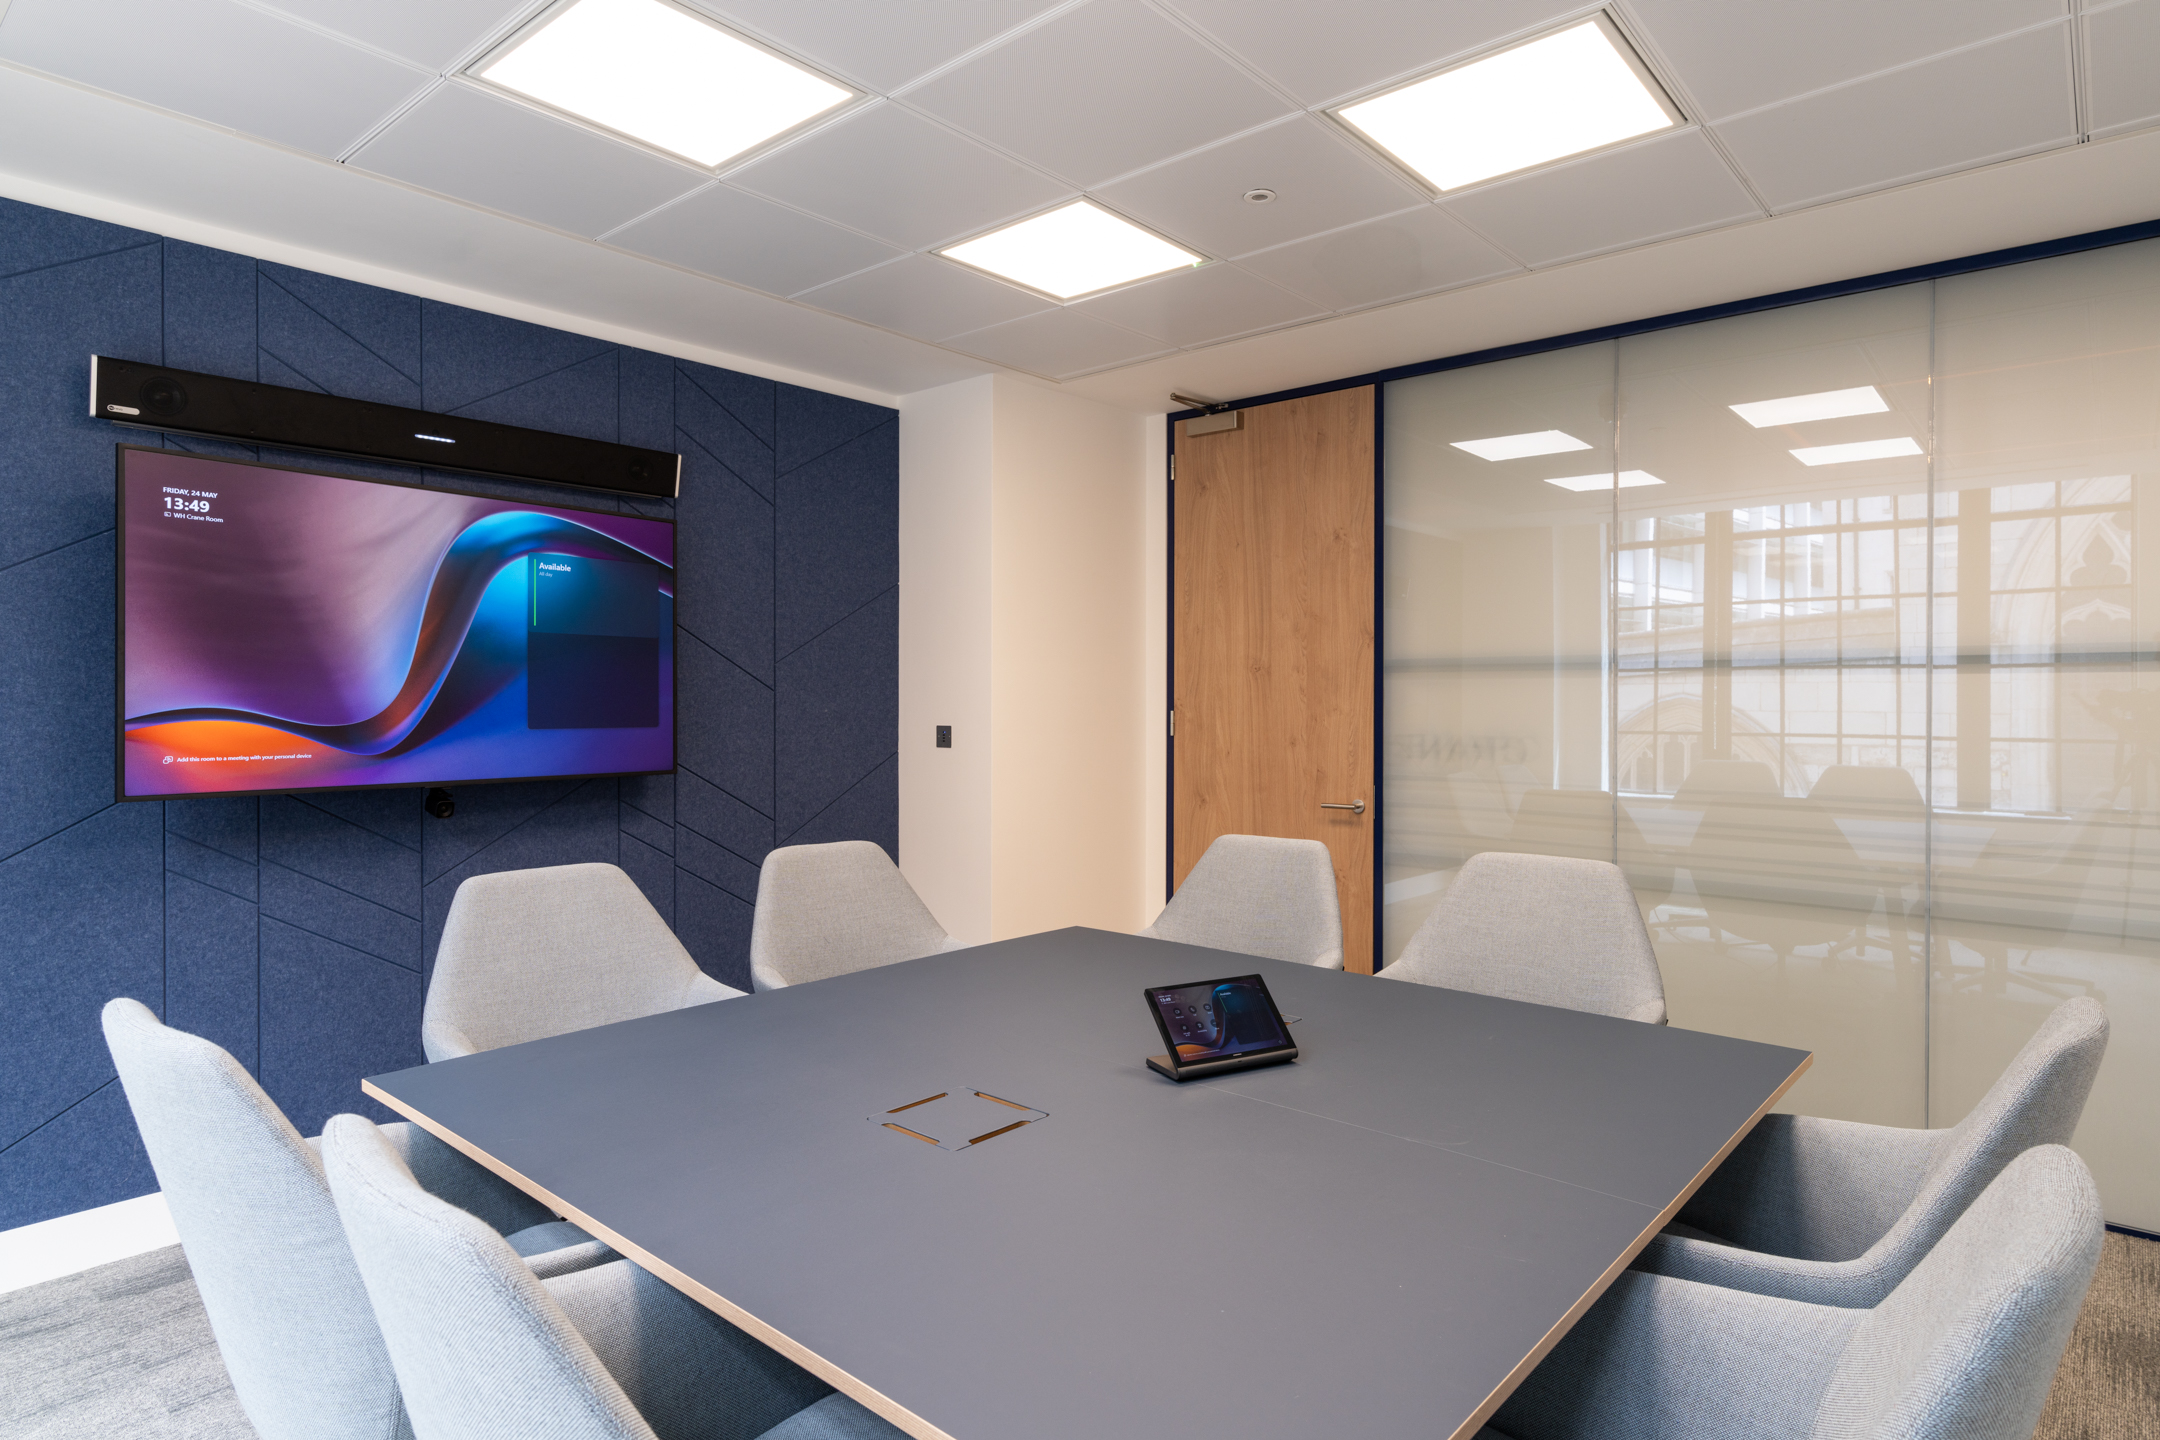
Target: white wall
(1026,622)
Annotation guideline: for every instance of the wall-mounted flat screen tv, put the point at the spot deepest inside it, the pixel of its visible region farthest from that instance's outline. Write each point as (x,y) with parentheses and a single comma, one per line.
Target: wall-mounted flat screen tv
(290,630)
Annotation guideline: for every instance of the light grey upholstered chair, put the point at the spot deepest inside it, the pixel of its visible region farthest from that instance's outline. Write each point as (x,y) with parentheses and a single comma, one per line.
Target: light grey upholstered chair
(527,954)
(1964,1349)
(485,1350)
(826,910)
(262,1237)
(1837,1213)
(1259,895)
(1549,929)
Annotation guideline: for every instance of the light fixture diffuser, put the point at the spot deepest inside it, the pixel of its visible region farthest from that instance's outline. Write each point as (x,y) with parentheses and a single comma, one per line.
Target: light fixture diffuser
(661,75)
(1628,479)
(1822,405)
(1858,450)
(1574,90)
(1074,250)
(1515,447)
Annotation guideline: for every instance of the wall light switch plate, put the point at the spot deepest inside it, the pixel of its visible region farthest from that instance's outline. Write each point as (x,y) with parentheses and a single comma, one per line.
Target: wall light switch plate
(944,737)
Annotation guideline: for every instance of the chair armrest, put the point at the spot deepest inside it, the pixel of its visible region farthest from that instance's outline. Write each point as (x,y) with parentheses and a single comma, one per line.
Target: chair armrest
(1650,1012)
(687,1371)
(448,1175)
(1857,1284)
(704,990)
(1658,1356)
(440,1040)
(1813,1189)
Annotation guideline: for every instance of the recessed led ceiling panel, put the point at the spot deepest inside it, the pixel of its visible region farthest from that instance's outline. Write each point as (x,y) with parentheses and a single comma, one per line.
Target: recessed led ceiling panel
(1858,450)
(648,70)
(1577,89)
(1628,480)
(1515,447)
(1822,405)
(1074,250)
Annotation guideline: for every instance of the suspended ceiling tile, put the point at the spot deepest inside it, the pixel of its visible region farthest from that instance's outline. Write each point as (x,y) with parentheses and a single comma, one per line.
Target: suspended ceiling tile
(2121,79)
(1321,182)
(1994,101)
(430,33)
(474,146)
(1360,43)
(1408,254)
(1663,187)
(899,177)
(881,43)
(215,60)
(926,297)
(1098,91)
(751,241)
(1193,307)
(1734,57)
(1058,342)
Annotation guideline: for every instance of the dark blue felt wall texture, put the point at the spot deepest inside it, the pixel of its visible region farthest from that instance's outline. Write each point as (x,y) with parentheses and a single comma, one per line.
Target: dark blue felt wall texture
(297,931)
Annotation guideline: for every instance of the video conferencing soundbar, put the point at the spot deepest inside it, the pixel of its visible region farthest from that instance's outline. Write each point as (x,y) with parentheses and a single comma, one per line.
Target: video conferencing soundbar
(156,397)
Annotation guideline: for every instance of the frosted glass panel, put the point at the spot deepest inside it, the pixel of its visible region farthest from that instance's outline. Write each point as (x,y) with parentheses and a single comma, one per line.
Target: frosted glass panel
(2047,832)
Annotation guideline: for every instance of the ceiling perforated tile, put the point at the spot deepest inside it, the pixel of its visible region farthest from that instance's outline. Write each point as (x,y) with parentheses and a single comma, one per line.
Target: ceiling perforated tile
(429,33)
(1734,57)
(217,61)
(900,178)
(1193,307)
(883,44)
(1320,180)
(495,152)
(2005,98)
(1058,343)
(926,297)
(751,241)
(2121,43)
(1357,44)
(1408,254)
(1099,91)
(1644,192)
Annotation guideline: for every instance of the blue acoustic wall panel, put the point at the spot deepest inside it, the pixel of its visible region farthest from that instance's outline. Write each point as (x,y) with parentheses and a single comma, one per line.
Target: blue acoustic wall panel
(298,931)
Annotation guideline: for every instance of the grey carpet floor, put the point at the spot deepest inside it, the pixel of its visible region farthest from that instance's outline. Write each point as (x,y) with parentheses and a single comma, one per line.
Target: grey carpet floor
(125,1350)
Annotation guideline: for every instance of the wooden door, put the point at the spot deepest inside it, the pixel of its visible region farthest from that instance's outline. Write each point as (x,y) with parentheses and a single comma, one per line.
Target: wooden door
(1272,635)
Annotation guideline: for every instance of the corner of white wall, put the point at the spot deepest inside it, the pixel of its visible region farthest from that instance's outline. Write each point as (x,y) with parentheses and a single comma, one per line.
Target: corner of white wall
(946,445)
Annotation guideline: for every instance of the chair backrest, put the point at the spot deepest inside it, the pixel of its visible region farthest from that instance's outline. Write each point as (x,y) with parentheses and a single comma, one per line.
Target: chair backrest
(2035,1101)
(262,1237)
(481,1348)
(1885,788)
(1966,1347)
(1259,895)
(526,954)
(826,910)
(1550,929)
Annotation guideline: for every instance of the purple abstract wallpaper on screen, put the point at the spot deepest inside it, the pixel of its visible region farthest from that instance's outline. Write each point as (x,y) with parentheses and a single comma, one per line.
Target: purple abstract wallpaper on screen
(288,630)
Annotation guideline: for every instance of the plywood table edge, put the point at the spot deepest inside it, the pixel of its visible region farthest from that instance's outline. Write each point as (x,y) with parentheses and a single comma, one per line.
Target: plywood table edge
(1553,1337)
(866,1396)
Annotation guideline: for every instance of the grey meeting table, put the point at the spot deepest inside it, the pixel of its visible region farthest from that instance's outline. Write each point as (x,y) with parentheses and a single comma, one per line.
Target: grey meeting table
(1380,1239)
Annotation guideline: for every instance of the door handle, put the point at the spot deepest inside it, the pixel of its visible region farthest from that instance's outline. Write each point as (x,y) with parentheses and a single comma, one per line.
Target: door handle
(1355,807)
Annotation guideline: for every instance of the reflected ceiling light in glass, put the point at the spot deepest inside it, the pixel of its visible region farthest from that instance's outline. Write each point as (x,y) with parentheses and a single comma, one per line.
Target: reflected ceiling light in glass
(1073,250)
(1858,450)
(1822,405)
(1627,480)
(1515,447)
(1578,89)
(659,74)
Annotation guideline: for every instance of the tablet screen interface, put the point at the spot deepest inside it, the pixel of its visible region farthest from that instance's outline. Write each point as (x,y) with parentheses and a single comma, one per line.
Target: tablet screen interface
(1218,1019)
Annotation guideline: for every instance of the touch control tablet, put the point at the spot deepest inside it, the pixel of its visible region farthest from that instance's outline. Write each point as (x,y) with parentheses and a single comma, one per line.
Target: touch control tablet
(1210,1026)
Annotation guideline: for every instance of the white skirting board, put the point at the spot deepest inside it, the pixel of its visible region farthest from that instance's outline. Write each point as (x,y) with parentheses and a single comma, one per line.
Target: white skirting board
(33,1254)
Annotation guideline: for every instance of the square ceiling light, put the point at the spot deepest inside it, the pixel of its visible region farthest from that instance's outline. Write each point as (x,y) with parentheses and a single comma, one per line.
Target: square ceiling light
(1822,405)
(1071,251)
(1515,447)
(1858,450)
(1626,480)
(1574,90)
(661,75)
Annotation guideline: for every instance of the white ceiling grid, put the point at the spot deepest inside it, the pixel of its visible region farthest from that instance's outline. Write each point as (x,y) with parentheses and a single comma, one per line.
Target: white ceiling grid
(1166,111)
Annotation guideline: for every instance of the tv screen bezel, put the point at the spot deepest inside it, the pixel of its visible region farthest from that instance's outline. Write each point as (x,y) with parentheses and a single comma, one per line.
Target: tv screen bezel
(120,794)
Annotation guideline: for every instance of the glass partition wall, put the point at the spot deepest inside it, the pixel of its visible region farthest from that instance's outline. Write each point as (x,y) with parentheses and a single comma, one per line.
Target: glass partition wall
(1852,670)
